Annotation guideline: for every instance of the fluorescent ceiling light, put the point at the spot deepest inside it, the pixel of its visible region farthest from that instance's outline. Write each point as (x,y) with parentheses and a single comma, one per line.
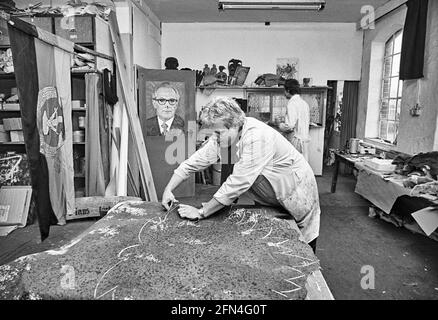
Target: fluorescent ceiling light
(271,5)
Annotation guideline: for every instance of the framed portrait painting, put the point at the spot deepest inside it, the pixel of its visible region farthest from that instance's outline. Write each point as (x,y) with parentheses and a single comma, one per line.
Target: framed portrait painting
(166,106)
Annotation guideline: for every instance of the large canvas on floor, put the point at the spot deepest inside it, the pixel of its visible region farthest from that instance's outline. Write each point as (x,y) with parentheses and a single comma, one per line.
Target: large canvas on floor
(166,103)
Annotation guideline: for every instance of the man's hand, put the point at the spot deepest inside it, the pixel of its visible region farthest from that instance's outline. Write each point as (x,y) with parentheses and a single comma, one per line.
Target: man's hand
(284,127)
(279,119)
(168,197)
(189,212)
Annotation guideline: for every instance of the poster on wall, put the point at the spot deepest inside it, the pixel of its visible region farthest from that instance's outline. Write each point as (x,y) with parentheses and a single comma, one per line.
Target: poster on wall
(166,104)
(288,68)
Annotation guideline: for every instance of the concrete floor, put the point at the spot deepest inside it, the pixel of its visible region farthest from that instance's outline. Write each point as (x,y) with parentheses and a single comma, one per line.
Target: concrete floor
(405,264)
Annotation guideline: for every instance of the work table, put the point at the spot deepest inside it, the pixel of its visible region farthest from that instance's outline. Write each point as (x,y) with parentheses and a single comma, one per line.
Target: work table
(138,251)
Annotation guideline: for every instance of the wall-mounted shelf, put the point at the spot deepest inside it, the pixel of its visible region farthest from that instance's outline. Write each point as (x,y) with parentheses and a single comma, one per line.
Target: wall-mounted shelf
(82,72)
(12,143)
(4,75)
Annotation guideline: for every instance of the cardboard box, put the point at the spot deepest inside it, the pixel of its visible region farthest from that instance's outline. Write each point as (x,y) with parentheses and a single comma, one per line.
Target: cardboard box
(76,104)
(12,124)
(382,165)
(14,207)
(11,106)
(4,136)
(16,136)
(96,207)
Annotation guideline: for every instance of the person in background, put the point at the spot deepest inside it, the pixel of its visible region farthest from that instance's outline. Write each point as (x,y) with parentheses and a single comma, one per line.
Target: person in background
(268,166)
(165,100)
(171,63)
(297,120)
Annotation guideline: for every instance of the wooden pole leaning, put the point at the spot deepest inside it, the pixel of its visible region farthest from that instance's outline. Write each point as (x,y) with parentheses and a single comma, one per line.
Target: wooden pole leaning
(134,121)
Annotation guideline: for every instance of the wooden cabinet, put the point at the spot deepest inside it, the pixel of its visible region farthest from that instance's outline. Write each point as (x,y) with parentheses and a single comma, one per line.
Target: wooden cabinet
(4,35)
(78,29)
(45,23)
(266,103)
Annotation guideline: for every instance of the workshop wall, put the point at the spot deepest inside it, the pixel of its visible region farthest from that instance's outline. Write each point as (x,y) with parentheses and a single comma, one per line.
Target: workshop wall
(419,134)
(416,134)
(326,51)
(372,70)
(146,39)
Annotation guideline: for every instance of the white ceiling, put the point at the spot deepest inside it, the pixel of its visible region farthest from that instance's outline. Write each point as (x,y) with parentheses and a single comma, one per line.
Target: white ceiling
(207,11)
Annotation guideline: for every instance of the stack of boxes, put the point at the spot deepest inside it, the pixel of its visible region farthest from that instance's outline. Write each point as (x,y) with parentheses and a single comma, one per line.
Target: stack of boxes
(4,135)
(11,130)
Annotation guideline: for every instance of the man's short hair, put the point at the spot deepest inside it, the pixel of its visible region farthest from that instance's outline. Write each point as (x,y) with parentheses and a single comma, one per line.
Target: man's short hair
(166,85)
(292,86)
(223,109)
(171,63)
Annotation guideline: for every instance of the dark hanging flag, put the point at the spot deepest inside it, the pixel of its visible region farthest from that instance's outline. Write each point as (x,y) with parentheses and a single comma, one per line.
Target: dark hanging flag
(414,38)
(45,103)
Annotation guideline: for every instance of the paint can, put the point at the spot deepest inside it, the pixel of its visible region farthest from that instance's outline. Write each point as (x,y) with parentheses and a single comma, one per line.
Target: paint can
(354,145)
(216,174)
(81,121)
(79,136)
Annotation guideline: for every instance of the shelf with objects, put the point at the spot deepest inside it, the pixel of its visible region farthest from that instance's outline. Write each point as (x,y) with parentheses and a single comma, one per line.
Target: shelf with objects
(11,134)
(265,103)
(268,103)
(91,34)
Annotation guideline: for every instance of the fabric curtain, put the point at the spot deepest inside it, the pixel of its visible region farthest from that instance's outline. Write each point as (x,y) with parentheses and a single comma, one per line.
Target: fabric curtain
(349,112)
(94,170)
(414,38)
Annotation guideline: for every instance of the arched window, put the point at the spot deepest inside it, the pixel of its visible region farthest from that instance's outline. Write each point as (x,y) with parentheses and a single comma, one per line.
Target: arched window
(389,112)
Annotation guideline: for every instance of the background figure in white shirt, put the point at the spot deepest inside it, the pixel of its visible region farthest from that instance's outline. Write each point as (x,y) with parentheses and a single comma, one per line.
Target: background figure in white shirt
(165,100)
(297,119)
(267,166)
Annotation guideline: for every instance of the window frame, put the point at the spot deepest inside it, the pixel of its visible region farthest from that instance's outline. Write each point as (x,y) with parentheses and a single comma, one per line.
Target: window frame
(389,99)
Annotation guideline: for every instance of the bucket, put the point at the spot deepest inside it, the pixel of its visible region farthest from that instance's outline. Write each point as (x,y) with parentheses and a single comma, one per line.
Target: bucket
(81,121)
(354,145)
(217,171)
(79,136)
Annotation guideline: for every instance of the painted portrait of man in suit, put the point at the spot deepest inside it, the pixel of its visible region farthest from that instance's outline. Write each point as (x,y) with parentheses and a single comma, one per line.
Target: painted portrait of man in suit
(166,99)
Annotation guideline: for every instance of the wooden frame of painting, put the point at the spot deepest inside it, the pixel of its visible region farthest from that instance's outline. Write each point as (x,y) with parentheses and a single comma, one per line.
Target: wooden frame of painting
(241,74)
(167,96)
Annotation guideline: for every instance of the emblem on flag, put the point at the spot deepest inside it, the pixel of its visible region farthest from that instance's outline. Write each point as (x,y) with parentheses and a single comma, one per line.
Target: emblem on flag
(50,121)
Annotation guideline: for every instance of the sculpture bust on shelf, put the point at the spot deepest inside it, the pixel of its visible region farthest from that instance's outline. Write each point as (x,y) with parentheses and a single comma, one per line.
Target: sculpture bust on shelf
(213,70)
(206,70)
(232,66)
(221,75)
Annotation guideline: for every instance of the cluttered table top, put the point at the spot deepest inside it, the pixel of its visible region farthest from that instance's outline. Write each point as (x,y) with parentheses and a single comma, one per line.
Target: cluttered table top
(416,174)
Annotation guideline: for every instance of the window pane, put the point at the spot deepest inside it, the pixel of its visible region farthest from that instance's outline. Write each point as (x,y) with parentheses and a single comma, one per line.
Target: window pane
(387,67)
(398,42)
(388,47)
(395,65)
(384,109)
(383,129)
(394,86)
(391,132)
(392,109)
(400,88)
(397,113)
(385,90)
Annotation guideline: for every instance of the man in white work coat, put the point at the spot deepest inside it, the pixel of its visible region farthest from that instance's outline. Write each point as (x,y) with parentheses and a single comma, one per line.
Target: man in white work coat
(297,119)
(269,167)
